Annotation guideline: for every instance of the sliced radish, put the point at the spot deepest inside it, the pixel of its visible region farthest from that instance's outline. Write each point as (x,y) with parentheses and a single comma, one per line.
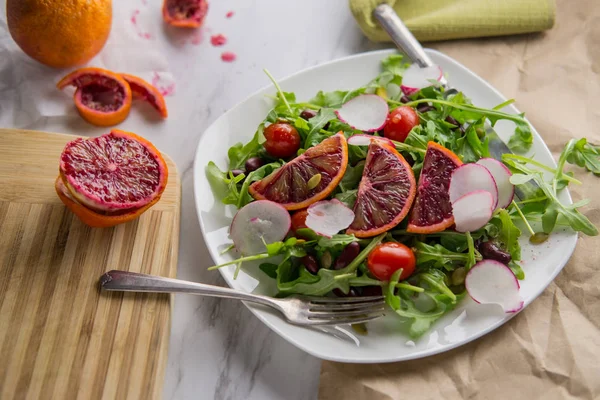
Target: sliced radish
(257,223)
(501,174)
(491,282)
(471,177)
(416,78)
(473,211)
(367,112)
(328,217)
(365,140)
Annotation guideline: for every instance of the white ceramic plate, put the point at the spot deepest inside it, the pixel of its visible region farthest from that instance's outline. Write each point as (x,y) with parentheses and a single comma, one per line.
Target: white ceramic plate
(385,341)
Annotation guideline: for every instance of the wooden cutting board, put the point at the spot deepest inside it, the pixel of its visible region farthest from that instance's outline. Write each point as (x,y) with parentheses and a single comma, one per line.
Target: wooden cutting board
(60,337)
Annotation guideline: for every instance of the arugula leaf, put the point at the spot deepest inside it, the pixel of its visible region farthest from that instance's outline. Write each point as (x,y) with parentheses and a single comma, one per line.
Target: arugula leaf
(239,152)
(316,123)
(269,269)
(522,139)
(509,234)
(217,180)
(336,98)
(517,270)
(348,197)
(584,155)
(437,256)
(244,197)
(422,310)
(554,208)
(471,253)
(394,64)
(336,240)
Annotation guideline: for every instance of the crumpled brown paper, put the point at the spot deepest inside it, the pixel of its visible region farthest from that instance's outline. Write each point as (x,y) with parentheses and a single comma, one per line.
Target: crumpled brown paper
(551,350)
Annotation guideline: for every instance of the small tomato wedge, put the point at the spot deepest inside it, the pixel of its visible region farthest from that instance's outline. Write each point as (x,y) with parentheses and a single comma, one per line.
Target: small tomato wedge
(299,220)
(387,258)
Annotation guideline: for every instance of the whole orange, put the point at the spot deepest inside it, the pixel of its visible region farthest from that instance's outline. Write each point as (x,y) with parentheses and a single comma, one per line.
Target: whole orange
(60,33)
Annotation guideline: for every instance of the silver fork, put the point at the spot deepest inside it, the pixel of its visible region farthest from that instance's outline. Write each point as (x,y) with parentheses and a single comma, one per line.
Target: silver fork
(298,310)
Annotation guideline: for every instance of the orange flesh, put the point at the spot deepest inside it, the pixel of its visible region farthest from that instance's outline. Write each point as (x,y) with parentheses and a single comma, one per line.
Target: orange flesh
(119,171)
(92,218)
(432,211)
(145,91)
(102,98)
(385,194)
(288,185)
(185,13)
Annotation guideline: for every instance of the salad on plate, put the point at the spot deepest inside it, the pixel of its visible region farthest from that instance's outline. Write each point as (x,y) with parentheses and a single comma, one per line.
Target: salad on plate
(391,189)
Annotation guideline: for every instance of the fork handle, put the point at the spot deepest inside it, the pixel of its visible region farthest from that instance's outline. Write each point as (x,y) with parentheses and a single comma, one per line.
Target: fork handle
(125,281)
(404,39)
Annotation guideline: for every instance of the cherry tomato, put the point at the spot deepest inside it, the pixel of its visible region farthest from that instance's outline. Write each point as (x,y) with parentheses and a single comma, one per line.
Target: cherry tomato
(387,258)
(299,220)
(400,122)
(283,140)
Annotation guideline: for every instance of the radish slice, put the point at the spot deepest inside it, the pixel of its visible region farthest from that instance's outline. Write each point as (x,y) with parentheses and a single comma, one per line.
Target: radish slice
(473,211)
(328,217)
(471,177)
(365,140)
(501,174)
(367,112)
(491,282)
(416,78)
(257,223)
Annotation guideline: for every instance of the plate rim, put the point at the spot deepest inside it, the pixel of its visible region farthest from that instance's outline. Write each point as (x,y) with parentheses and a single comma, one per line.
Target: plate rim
(258,311)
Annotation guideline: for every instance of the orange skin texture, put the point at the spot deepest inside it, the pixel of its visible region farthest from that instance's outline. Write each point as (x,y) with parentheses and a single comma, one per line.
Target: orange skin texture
(255,188)
(145,91)
(409,200)
(59,33)
(98,118)
(447,223)
(182,22)
(99,220)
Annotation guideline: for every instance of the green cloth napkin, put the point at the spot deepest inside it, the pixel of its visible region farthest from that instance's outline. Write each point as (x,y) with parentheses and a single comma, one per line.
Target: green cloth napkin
(453,19)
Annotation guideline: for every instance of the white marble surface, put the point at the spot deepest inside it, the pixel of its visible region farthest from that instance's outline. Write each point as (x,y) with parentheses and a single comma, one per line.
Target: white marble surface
(217,348)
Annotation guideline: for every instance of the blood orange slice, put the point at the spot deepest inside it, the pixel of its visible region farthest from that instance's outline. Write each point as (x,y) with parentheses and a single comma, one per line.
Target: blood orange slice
(185,13)
(433,211)
(102,97)
(145,91)
(386,191)
(113,173)
(308,178)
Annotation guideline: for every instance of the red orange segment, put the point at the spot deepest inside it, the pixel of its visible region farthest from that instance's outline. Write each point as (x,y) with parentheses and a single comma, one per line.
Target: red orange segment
(147,92)
(386,191)
(185,13)
(307,178)
(432,211)
(102,98)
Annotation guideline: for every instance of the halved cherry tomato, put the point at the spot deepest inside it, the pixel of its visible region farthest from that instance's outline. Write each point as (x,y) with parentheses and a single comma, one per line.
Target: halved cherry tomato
(400,122)
(283,140)
(387,258)
(299,220)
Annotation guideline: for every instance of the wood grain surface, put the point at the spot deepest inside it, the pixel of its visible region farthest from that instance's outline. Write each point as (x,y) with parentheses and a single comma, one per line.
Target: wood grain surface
(60,336)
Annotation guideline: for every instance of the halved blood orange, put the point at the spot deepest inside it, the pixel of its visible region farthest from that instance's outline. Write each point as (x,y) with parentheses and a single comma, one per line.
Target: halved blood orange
(113,173)
(307,178)
(102,97)
(145,91)
(432,211)
(386,191)
(185,13)
(93,218)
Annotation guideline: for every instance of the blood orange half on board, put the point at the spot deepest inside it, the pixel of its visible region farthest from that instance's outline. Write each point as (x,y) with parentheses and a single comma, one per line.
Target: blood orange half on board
(113,173)
(307,178)
(386,191)
(432,211)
